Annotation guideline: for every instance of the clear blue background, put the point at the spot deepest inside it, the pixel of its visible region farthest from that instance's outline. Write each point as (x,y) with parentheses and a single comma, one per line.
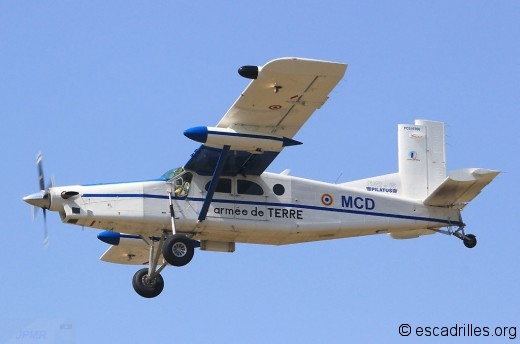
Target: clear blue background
(105,89)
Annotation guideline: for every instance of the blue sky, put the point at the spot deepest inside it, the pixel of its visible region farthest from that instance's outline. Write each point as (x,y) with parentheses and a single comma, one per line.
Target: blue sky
(105,89)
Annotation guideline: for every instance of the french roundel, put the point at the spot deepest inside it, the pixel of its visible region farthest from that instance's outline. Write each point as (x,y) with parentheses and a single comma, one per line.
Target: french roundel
(327,199)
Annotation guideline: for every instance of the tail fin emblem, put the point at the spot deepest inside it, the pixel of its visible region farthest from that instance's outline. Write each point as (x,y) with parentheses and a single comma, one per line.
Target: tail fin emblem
(413,156)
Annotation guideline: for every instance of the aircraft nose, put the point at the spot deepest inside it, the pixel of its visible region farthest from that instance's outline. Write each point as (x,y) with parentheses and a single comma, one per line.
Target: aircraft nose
(39,199)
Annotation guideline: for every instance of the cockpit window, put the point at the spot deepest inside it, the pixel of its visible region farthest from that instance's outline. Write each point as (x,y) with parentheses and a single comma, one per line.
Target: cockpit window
(180,179)
(224,185)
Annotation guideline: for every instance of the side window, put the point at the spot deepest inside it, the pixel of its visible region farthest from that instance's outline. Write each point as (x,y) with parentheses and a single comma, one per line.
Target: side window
(247,187)
(223,186)
(278,189)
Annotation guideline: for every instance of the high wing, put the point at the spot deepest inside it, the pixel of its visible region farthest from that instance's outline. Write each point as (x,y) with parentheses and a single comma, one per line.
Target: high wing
(283,95)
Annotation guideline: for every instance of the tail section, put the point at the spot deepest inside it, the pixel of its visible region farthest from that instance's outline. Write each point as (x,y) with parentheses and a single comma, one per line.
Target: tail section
(422,170)
(422,177)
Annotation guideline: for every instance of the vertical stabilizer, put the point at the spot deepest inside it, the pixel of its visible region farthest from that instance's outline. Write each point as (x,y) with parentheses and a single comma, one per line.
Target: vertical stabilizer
(422,158)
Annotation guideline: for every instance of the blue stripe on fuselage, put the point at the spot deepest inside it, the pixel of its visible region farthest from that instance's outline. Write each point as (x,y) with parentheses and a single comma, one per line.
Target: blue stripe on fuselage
(289,205)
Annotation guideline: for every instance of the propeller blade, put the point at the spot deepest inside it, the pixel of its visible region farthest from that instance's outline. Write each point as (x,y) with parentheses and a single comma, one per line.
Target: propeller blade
(41,178)
(45,232)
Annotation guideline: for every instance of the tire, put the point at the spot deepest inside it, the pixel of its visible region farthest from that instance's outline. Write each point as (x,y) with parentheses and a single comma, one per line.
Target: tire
(146,288)
(178,250)
(470,241)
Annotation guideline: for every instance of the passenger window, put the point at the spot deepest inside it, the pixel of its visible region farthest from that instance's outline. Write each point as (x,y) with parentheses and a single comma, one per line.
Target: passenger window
(247,187)
(223,186)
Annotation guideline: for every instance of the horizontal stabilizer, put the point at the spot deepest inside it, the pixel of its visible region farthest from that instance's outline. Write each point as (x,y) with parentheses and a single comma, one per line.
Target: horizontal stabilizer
(460,187)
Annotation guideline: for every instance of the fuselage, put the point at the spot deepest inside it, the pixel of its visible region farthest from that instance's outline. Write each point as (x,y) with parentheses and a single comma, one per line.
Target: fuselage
(267,209)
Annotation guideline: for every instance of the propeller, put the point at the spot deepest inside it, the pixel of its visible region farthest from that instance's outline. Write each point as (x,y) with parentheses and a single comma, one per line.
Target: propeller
(41,199)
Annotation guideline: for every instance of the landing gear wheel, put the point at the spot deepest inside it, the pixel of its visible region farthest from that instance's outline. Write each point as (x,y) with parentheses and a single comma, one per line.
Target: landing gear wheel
(178,250)
(470,241)
(145,286)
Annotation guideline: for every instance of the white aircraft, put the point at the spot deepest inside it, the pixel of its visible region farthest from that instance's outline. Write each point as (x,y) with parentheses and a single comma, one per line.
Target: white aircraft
(223,195)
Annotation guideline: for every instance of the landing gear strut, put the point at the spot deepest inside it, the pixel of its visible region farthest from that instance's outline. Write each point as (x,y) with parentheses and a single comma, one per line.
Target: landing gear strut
(178,249)
(148,282)
(469,240)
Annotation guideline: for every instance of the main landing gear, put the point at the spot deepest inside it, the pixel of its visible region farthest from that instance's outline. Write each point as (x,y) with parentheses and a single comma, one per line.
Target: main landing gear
(177,250)
(469,240)
(147,286)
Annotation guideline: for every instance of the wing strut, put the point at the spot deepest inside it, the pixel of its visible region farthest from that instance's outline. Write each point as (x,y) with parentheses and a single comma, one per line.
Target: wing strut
(214,182)
(172,212)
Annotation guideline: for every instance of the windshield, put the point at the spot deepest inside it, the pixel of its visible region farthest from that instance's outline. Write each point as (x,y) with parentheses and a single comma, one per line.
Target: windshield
(168,175)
